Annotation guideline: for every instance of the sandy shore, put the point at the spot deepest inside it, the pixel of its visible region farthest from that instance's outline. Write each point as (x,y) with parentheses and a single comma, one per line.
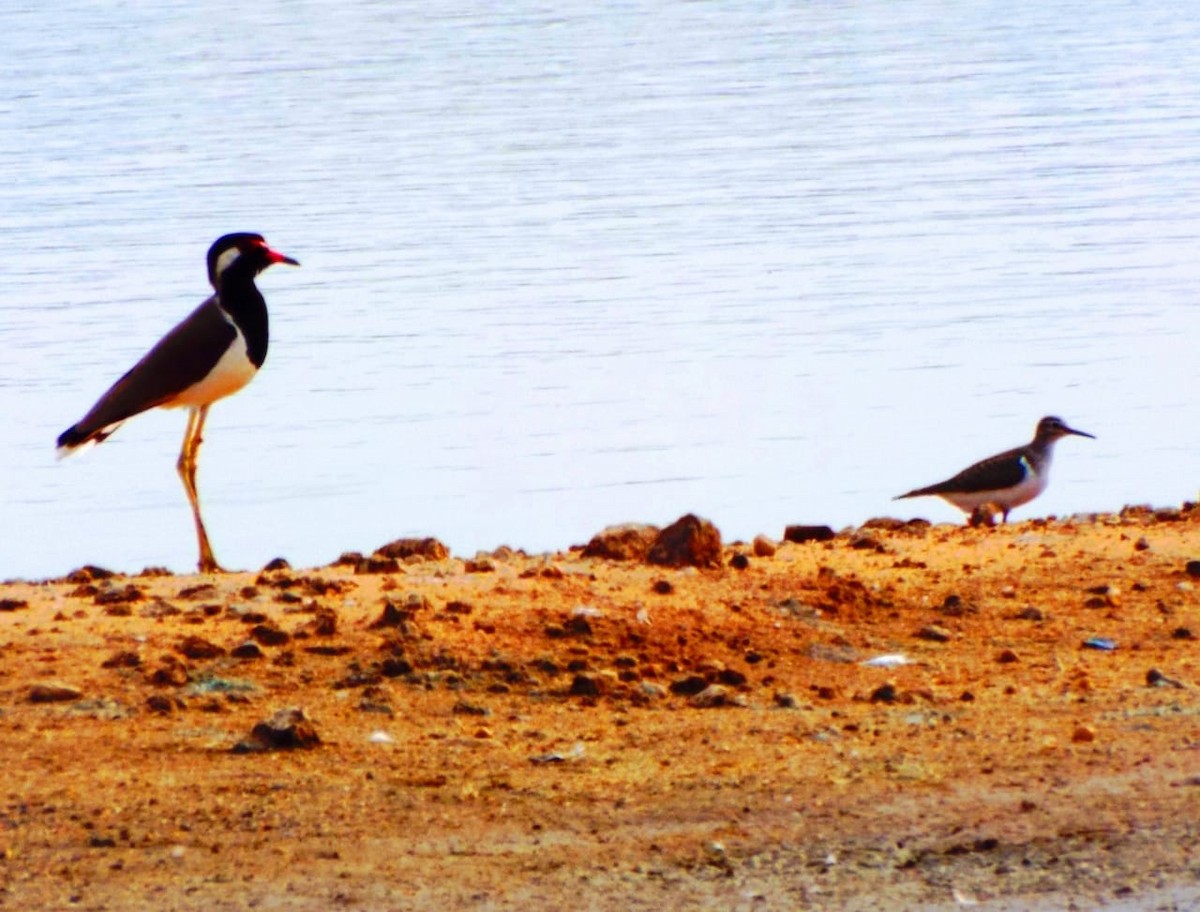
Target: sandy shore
(555,732)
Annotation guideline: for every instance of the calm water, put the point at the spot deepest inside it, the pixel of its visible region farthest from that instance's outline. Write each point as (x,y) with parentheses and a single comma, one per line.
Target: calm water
(568,265)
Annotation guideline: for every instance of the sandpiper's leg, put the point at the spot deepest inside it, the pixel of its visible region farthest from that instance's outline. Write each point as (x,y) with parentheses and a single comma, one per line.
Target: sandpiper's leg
(187,472)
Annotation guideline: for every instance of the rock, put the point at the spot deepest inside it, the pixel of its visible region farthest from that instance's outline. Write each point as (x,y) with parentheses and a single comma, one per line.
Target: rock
(170,673)
(934,633)
(89,573)
(1155,678)
(865,541)
(1192,568)
(662,587)
(586,686)
(278,563)
(739,562)
(349,559)
(1142,544)
(287,729)
(716,695)
(247,650)
(194,647)
(122,659)
(763,546)
(54,692)
(1083,734)
(422,548)
(269,635)
(1007,657)
(392,616)
(11,604)
(630,541)
(119,595)
(688,542)
(689,686)
(377,565)
(884,693)
(480,564)
(164,704)
(802,534)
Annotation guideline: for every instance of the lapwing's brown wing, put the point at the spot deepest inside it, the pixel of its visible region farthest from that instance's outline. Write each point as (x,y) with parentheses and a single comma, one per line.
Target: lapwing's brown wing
(182,358)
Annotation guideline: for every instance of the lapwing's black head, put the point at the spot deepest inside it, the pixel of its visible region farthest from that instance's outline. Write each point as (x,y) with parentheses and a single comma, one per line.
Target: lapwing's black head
(243,252)
(1051,428)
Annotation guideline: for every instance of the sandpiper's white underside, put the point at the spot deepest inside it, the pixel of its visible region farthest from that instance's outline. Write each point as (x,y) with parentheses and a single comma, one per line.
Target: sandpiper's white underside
(1033,484)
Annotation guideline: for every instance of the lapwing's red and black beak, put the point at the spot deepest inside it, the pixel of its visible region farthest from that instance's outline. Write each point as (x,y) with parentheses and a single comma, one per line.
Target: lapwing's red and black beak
(276,257)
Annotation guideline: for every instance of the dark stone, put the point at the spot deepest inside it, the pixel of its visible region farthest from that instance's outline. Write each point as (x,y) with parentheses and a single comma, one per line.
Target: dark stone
(802,534)
(585,686)
(247,650)
(688,542)
(884,693)
(170,673)
(89,573)
(463,708)
(11,604)
(378,565)
(114,596)
(349,559)
(631,541)
(269,635)
(278,563)
(194,647)
(164,704)
(391,616)
(53,692)
(739,562)
(322,624)
(663,587)
(689,686)
(1192,568)
(395,667)
(123,659)
(934,633)
(865,541)
(732,677)
(1182,633)
(404,548)
(288,729)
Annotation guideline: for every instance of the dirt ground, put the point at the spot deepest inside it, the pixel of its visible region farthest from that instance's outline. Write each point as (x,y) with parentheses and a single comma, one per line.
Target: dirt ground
(554,732)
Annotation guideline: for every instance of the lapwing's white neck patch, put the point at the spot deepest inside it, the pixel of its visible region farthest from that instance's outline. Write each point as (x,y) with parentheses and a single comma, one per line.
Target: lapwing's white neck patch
(227,259)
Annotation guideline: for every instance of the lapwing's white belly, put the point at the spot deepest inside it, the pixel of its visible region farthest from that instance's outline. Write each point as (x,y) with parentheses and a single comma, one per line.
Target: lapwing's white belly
(230,374)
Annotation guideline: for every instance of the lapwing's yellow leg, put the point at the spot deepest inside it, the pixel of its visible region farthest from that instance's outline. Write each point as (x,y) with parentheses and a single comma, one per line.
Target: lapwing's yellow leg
(187,471)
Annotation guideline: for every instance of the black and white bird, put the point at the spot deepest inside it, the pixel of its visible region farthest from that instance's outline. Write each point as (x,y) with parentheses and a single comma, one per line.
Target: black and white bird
(214,352)
(1006,480)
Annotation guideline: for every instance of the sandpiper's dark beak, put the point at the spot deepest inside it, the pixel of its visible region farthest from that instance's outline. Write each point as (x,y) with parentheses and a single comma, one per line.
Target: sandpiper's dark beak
(276,257)
(1071,430)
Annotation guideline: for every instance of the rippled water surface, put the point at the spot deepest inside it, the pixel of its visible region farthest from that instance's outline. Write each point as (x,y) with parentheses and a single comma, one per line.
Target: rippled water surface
(572,265)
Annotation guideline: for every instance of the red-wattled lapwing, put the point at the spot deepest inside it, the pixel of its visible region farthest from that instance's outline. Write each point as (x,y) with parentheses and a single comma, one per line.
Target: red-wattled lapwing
(1007,479)
(214,352)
